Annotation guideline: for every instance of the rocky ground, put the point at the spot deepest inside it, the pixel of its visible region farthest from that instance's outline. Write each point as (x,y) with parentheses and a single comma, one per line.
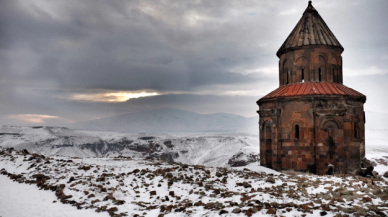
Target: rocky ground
(124,186)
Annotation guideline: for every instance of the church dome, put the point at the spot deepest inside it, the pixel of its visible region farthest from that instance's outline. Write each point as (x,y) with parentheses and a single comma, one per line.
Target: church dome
(310,30)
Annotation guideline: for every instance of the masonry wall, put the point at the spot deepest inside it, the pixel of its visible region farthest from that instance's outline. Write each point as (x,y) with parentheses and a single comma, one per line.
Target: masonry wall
(331,132)
(312,60)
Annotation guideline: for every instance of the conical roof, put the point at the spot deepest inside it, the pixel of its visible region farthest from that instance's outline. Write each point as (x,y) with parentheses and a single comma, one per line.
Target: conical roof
(310,30)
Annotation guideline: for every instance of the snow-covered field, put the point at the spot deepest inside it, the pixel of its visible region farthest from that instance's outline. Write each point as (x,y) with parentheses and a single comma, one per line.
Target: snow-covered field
(124,186)
(198,190)
(19,200)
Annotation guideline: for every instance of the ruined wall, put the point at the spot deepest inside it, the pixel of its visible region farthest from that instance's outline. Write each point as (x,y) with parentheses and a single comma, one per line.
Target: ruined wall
(308,133)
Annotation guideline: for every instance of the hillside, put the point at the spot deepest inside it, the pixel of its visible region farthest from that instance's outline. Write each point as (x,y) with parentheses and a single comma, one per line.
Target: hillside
(124,186)
(206,149)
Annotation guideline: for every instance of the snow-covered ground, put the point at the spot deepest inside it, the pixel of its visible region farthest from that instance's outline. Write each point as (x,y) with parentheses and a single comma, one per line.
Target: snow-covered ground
(128,186)
(20,200)
(211,150)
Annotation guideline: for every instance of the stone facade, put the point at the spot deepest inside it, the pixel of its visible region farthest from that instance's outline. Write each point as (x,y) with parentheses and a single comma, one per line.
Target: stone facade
(317,63)
(312,122)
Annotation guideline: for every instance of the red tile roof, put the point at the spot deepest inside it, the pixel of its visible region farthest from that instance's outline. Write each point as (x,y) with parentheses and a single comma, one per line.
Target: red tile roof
(313,88)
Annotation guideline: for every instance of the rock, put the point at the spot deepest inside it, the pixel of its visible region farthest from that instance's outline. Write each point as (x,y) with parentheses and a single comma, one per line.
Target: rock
(210,205)
(113,209)
(325,196)
(366,199)
(109,197)
(362,172)
(246,185)
(323,213)
(347,210)
(59,190)
(347,193)
(119,202)
(317,201)
(271,211)
(341,200)
(362,212)
(223,212)
(367,164)
(306,208)
(198,203)
(237,210)
(386,174)
(243,159)
(152,192)
(233,203)
(171,193)
(169,157)
(373,208)
(349,197)
(271,180)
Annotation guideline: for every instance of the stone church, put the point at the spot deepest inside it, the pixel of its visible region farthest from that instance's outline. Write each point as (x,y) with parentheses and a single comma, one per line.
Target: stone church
(312,122)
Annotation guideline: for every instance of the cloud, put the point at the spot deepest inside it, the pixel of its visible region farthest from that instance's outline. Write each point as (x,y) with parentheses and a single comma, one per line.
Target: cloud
(32,118)
(112,96)
(68,58)
(372,70)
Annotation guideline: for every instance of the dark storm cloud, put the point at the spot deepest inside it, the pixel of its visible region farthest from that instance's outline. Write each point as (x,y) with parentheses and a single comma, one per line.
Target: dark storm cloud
(51,50)
(101,45)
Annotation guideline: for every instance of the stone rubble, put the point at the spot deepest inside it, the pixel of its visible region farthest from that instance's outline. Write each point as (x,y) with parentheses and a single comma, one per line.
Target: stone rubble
(217,191)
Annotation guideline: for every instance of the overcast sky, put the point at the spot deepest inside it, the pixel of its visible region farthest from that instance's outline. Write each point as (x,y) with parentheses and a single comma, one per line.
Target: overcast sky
(75,60)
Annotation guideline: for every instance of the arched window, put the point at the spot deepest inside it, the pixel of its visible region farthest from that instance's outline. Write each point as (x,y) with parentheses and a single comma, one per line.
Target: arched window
(334,78)
(302,72)
(296,131)
(355,131)
(320,74)
(288,79)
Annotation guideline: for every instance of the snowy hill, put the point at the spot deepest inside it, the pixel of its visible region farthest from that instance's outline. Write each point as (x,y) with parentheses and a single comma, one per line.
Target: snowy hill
(205,149)
(37,185)
(169,120)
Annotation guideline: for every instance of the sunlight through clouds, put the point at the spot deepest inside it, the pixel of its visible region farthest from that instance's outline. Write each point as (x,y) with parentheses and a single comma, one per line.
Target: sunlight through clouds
(33,118)
(112,97)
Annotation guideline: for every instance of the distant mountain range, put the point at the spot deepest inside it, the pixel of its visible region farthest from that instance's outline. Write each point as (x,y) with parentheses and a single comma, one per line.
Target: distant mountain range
(169,120)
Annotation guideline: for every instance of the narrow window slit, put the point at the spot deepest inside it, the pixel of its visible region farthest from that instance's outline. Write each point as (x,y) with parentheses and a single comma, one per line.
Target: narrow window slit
(320,74)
